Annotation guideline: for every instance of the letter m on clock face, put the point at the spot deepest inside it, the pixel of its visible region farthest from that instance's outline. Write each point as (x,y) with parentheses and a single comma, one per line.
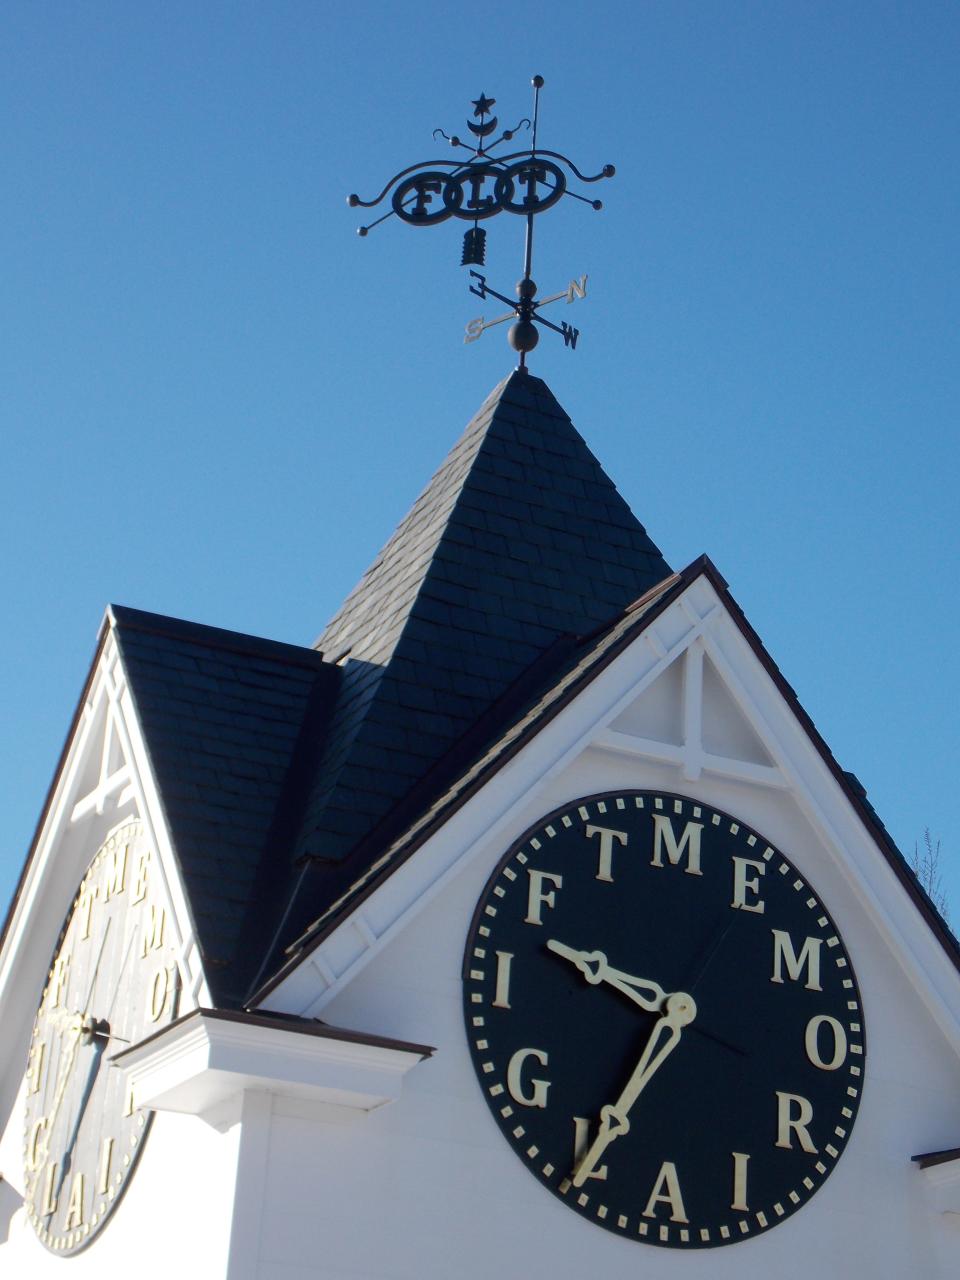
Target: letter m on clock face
(664,1019)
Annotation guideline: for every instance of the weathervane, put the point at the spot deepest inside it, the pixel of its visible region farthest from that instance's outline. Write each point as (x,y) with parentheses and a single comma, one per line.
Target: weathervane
(523,182)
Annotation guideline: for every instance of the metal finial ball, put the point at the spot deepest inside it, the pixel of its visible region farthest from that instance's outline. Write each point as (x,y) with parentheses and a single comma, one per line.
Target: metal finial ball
(362,231)
(507,134)
(454,141)
(537,83)
(526,288)
(523,335)
(609,170)
(353,200)
(598,204)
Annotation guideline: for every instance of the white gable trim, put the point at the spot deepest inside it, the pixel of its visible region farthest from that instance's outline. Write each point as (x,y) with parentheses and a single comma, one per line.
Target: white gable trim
(105,777)
(695,625)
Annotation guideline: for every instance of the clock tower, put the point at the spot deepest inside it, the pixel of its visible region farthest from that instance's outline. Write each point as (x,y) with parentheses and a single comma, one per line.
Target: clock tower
(526,917)
(524,925)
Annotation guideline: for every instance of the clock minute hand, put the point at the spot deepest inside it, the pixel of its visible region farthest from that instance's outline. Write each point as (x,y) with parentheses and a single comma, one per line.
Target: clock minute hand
(99,1044)
(680,1010)
(594,967)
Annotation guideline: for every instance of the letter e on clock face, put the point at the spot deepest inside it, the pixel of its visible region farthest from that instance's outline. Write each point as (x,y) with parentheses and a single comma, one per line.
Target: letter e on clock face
(664,1019)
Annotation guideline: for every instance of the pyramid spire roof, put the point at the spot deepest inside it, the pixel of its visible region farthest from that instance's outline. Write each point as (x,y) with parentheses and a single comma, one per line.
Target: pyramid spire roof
(519,539)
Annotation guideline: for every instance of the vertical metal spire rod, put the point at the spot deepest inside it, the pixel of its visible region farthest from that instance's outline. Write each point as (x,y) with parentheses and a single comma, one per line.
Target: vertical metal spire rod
(526,289)
(537,83)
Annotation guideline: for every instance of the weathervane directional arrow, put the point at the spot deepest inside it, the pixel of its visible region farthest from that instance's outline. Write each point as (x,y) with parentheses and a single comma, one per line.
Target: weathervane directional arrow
(575,289)
(524,182)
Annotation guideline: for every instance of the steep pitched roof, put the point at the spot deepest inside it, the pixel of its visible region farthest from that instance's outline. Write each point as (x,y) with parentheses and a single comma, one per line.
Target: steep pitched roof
(232,725)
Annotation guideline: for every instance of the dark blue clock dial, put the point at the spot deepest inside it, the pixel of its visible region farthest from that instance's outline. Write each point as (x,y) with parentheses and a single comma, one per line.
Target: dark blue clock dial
(664,1019)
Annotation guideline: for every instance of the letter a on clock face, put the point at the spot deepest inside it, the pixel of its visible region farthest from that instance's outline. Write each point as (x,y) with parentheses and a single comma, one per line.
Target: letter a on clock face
(664,1019)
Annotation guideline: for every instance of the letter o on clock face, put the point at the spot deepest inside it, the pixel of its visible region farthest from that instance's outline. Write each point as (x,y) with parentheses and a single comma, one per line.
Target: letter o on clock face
(664,1019)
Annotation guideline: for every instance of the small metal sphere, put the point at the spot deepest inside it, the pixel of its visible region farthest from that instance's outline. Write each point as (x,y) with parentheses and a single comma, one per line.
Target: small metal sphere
(598,204)
(526,288)
(362,231)
(454,141)
(353,200)
(609,170)
(507,134)
(523,335)
(537,82)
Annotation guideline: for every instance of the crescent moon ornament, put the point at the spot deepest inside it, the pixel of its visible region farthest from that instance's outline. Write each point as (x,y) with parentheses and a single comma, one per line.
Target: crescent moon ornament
(482,130)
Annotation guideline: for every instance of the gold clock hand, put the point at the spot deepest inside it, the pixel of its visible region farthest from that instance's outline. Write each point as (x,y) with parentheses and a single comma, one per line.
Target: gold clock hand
(92,1072)
(680,1010)
(79,1028)
(594,967)
(96,969)
(75,1031)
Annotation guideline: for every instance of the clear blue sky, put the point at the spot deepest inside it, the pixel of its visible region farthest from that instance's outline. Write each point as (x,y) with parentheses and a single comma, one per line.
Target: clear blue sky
(217,401)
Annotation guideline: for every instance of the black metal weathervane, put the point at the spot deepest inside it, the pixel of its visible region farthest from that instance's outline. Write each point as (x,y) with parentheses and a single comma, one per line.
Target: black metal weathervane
(523,182)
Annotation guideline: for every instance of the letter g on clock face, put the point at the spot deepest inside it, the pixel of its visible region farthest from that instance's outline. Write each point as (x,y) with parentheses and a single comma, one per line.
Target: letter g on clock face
(664,1019)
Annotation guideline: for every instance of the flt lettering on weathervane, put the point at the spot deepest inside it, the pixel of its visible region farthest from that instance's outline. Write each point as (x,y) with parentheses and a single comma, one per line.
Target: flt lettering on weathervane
(523,182)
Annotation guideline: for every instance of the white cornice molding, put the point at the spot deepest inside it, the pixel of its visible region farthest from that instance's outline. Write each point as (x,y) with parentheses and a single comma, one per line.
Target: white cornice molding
(941,1175)
(197,1064)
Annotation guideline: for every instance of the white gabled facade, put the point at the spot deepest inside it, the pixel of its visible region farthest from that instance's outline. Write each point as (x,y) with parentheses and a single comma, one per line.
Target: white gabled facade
(281,1159)
(689,708)
(104,778)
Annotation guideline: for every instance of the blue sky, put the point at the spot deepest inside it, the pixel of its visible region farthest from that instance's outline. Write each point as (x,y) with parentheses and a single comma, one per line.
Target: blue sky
(218,401)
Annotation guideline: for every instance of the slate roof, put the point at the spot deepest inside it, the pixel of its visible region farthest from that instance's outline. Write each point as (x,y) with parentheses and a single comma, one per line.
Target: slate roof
(232,725)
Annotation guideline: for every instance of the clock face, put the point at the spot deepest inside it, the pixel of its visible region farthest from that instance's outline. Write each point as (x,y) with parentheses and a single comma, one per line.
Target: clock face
(113,980)
(664,1019)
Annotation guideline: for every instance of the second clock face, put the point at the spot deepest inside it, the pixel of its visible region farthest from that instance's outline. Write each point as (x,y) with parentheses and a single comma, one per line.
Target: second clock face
(113,981)
(664,1019)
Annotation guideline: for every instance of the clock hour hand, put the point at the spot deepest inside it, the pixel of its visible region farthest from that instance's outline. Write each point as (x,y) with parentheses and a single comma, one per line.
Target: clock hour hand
(594,967)
(680,1010)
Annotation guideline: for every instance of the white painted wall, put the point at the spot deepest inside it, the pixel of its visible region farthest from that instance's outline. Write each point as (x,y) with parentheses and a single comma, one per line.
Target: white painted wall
(173,1224)
(428,1186)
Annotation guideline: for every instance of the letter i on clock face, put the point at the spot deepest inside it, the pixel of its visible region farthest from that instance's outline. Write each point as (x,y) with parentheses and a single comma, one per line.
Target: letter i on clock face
(112,982)
(664,1019)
